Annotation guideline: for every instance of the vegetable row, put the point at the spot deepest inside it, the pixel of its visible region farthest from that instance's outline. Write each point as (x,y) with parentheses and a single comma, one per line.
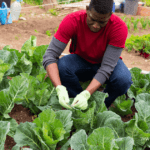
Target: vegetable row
(94,128)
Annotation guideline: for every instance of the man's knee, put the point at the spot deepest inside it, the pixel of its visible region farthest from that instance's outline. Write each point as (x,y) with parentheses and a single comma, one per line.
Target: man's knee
(124,84)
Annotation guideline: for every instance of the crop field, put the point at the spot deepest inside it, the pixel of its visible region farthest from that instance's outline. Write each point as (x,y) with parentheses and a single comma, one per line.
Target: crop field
(31,116)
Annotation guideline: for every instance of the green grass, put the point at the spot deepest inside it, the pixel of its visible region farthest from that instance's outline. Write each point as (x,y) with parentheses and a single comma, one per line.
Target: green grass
(56,29)
(48,32)
(33,2)
(54,12)
(36,31)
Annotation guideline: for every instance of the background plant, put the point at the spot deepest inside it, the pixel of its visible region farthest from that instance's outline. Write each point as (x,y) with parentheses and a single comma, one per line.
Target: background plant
(132,19)
(143,23)
(48,32)
(123,18)
(135,23)
(128,24)
(54,12)
(56,29)
(148,22)
(34,2)
(36,31)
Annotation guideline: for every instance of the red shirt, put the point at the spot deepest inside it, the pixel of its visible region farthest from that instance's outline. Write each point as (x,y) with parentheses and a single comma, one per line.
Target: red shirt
(87,44)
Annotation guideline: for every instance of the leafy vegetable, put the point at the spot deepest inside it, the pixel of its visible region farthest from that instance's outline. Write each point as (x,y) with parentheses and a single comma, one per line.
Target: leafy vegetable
(4,129)
(139,43)
(111,120)
(102,138)
(45,131)
(122,106)
(132,129)
(140,84)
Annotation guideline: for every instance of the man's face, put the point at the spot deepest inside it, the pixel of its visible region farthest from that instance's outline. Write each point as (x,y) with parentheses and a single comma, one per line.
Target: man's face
(96,21)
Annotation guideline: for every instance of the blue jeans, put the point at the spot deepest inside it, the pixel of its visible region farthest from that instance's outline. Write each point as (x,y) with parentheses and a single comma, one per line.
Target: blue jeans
(72,69)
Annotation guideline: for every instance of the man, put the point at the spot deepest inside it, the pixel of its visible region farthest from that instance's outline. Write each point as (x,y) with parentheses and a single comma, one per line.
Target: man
(98,38)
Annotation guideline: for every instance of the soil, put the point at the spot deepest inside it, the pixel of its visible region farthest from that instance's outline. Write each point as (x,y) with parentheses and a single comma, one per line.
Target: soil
(16,34)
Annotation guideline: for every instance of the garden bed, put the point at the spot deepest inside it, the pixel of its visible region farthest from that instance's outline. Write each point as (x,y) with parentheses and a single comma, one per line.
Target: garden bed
(21,31)
(21,114)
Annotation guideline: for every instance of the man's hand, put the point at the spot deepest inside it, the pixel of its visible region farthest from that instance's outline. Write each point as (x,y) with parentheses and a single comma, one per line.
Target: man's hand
(81,99)
(63,96)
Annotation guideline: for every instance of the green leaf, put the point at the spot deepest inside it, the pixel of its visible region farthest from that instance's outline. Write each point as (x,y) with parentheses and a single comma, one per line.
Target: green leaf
(51,129)
(143,97)
(51,86)
(4,84)
(26,136)
(29,46)
(38,53)
(18,88)
(54,101)
(136,74)
(79,141)
(138,86)
(23,65)
(99,98)
(66,145)
(84,119)
(84,85)
(8,58)
(4,129)
(65,117)
(111,120)
(3,68)
(16,93)
(143,114)
(47,115)
(19,55)
(27,149)
(135,132)
(101,139)
(6,47)
(41,97)
(41,77)
(132,91)
(6,103)
(122,106)
(16,147)
(33,82)
(125,143)
(13,126)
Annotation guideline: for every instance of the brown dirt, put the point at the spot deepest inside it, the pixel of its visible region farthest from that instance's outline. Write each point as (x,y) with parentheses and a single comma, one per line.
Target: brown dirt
(16,34)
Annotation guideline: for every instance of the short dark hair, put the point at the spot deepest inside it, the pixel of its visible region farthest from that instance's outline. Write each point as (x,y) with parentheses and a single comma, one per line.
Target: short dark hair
(102,6)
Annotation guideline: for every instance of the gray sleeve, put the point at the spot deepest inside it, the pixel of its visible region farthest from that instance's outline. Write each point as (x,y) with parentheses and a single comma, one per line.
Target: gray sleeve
(109,61)
(53,52)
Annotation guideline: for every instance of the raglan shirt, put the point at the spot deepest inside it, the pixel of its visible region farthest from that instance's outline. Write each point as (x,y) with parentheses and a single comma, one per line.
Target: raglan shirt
(104,46)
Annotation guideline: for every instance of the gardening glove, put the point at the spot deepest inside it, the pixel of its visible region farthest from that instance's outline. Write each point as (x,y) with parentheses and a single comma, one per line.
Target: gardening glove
(63,96)
(81,99)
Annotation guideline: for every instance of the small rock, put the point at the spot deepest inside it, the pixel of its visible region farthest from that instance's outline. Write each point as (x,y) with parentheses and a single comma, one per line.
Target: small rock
(22,18)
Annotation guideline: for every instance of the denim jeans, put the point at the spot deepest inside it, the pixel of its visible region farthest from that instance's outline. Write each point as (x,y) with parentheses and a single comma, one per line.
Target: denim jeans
(72,69)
